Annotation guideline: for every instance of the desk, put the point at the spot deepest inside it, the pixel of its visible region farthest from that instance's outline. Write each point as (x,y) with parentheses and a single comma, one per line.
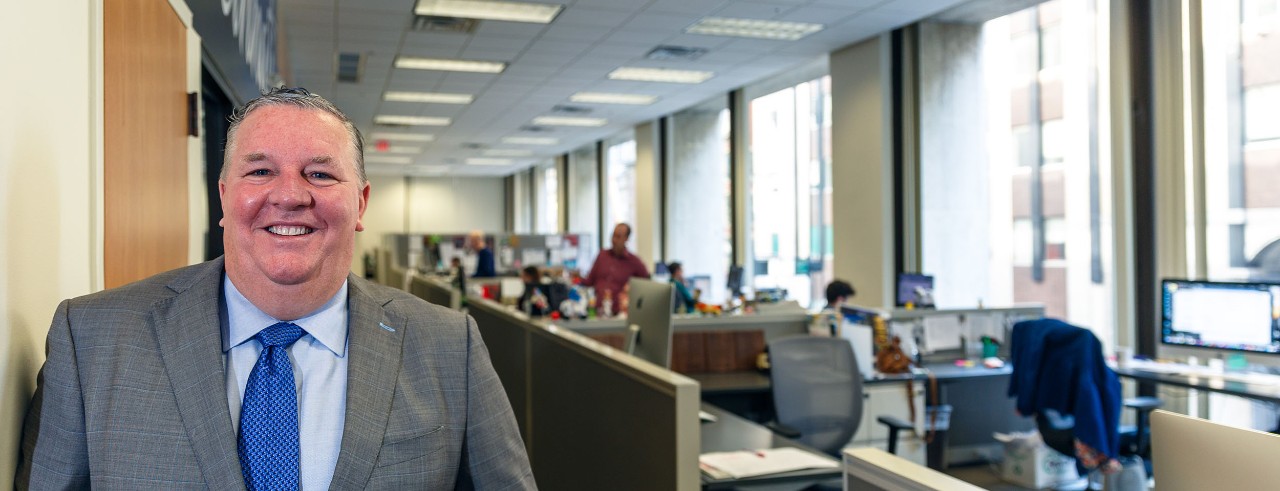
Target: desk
(730,433)
(1261,391)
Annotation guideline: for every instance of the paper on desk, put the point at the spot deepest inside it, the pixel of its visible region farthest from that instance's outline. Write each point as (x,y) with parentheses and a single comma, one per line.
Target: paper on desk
(747,463)
(990,325)
(941,332)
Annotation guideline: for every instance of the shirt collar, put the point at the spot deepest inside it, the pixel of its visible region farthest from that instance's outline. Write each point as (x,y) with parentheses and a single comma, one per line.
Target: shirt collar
(328,324)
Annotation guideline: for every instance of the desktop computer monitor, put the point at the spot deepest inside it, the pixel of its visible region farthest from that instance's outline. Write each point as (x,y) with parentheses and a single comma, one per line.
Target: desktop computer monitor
(734,281)
(649,321)
(1221,315)
(916,289)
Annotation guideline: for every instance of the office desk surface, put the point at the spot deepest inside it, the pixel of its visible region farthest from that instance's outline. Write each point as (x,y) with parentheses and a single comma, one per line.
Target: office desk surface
(731,433)
(725,383)
(1231,384)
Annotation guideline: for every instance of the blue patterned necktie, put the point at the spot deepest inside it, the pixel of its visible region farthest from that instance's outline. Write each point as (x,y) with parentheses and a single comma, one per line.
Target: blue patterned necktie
(269,415)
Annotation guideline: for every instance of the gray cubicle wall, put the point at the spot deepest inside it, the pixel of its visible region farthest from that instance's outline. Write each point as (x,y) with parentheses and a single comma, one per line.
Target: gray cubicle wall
(592,417)
(775,324)
(435,292)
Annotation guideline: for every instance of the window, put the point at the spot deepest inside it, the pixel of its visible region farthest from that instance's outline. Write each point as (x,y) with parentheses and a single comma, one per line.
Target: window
(620,189)
(699,213)
(1013,202)
(547,187)
(522,203)
(584,192)
(790,208)
(1241,41)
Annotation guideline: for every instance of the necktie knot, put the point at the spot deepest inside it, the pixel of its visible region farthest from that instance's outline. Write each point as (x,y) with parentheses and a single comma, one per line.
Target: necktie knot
(281,334)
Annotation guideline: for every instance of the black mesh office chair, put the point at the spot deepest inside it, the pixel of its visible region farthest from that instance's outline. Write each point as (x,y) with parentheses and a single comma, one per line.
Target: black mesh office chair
(817,393)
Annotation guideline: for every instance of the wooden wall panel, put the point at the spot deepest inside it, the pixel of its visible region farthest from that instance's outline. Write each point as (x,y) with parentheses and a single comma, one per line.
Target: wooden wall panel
(145,142)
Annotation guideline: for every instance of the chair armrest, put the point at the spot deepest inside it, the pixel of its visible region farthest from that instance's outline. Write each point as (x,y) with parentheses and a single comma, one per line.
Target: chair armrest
(1143,403)
(895,423)
(782,429)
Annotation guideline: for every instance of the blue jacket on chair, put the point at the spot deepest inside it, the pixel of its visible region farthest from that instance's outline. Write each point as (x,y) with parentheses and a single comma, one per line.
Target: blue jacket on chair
(1061,367)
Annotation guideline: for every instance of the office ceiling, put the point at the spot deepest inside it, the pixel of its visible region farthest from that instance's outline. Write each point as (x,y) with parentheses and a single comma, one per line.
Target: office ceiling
(547,63)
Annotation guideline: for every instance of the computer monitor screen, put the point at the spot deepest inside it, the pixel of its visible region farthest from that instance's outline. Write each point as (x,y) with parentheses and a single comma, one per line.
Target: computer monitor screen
(916,289)
(649,321)
(734,281)
(1233,316)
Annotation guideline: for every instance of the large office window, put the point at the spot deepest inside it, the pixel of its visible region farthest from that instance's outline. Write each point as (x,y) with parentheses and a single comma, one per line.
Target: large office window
(790,208)
(522,202)
(699,213)
(583,200)
(547,194)
(1241,42)
(620,187)
(1014,175)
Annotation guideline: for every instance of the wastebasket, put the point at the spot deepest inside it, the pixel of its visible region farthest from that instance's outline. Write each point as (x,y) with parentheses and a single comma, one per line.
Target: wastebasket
(937,420)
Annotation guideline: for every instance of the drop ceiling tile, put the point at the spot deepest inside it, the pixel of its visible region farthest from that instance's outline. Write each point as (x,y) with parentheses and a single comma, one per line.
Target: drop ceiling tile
(697,8)
(754,10)
(590,16)
(819,15)
(644,37)
(492,54)
(509,29)
(543,46)
(382,5)
(583,34)
(660,22)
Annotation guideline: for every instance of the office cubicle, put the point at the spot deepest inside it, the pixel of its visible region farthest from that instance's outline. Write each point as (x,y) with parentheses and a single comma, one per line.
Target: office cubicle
(591,416)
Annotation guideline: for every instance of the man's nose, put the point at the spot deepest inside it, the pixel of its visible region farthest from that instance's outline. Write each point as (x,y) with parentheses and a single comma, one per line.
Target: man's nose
(291,191)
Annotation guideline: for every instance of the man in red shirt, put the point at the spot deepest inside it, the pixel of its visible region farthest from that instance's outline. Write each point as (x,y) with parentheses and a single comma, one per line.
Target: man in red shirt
(614,267)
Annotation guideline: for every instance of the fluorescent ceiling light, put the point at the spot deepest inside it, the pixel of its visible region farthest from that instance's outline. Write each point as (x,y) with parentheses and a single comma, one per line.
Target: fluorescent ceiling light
(753,28)
(487,161)
(530,140)
(411,120)
(407,137)
(568,121)
(609,98)
(387,159)
(449,65)
(540,13)
(402,150)
(508,152)
(660,75)
(436,97)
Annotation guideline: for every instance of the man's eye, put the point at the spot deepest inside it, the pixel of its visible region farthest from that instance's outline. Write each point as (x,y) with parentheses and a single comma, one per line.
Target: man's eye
(321,175)
(260,172)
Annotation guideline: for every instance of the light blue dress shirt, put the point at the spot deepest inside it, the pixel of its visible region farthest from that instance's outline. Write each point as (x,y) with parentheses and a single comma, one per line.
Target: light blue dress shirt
(319,369)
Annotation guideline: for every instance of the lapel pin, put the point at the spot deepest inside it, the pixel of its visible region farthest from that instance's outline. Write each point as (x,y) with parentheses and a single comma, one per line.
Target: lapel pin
(388,328)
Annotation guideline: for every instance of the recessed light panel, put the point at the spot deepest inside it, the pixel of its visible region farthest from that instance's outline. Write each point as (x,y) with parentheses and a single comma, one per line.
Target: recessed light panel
(540,13)
(507,152)
(529,140)
(403,150)
(432,97)
(387,159)
(406,137)
(661,75)
(569,121)
(609,98)
(450,65)
(753,28)
(411,120)
(487,161)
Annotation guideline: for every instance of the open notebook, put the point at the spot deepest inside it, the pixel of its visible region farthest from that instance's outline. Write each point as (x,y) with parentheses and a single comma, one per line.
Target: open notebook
(747,463)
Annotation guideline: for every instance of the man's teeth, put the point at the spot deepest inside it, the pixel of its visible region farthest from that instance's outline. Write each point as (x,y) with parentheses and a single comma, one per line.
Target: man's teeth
(290,230)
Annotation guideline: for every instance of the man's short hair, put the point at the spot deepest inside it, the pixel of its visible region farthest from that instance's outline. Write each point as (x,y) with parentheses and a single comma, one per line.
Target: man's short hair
(624,224)
(531,271)
(837,289)
(297,97)
(674,266)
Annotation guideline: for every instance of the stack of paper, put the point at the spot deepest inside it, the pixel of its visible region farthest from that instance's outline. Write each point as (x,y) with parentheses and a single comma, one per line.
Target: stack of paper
(747,463)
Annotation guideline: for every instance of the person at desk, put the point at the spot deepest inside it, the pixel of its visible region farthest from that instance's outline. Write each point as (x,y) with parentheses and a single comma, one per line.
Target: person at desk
(838,292)
(534,299)
(484,255)
(615,266)
(272,367)
(684,303)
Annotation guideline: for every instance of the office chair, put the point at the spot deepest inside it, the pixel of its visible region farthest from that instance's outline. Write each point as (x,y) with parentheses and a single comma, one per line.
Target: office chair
(1060,376)
(817,393)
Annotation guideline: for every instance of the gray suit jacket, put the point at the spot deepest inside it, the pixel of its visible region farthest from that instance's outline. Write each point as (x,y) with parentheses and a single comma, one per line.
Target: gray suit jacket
(133,395)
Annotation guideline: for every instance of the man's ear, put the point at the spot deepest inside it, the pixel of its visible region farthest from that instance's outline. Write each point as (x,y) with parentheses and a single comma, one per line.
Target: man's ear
(364,204)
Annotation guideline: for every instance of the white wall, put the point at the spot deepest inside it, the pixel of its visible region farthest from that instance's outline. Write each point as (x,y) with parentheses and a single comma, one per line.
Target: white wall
(385,214)
(862,169)
(456,204)
(647,230)
(50,187)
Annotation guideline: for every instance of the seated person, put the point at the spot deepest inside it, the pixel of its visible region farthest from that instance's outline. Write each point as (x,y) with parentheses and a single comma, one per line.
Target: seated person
(684,301)
(534,299)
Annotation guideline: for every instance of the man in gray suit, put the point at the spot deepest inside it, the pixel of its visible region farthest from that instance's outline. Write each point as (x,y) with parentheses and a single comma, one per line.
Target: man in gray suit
(273,367)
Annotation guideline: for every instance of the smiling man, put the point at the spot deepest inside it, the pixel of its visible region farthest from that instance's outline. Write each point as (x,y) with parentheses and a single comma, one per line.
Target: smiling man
(273,367)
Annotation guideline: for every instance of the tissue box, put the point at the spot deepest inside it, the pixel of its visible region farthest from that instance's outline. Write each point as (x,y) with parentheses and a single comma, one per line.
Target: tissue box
(1029,463)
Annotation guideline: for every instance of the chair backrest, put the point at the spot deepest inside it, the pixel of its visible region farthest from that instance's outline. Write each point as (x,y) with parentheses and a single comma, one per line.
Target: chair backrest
(817,389)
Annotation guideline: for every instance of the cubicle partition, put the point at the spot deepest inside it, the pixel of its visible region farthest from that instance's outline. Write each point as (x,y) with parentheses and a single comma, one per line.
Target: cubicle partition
(436,292)
(591,416)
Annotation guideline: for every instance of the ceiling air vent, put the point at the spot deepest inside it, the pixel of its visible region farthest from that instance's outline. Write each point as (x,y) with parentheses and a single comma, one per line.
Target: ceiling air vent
(567,109)
(535,129)
(473,146)
(665,52)
(349,67)
(435,23)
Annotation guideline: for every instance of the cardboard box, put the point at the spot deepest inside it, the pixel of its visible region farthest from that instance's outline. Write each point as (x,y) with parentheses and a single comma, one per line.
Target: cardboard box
(1029,463)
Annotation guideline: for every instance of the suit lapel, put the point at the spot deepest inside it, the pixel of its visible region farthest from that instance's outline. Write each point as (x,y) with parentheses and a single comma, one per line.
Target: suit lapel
(371,378)
(189,335)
